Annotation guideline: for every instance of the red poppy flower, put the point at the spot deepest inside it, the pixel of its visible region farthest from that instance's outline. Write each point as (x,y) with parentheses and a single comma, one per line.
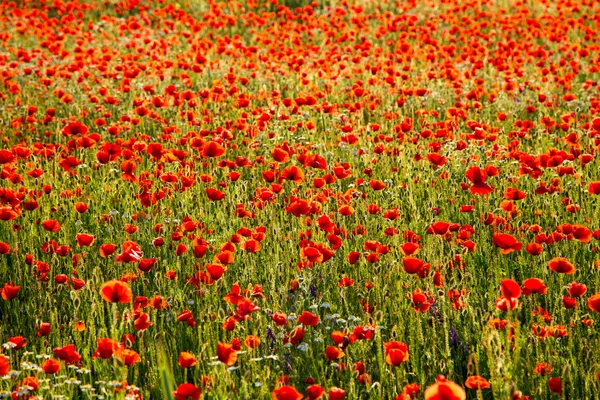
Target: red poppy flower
(131,252)
(51,366)
(128,356)
(214,194)
(187,391)
(279,318)
(226,353)
(576,289)
(409,248)
(79,326)
(187,317)
(212,149)
(315,161)
(542,369)
(594,188)
(510,289)
(477,382)
(286,393)
(77,283)
(116,292)
(225,257)
(84,239)
(439,228)
(131,229)
(312,254)
(333,353)
(280,155)
(68,354)
(229,324)
(315,392)
(18,342)
(534,249)
(81,207)
(51,225)
(4,365)
(377,185)
(555,385)
(234,296)
(372,258)
(186,360)
(594,302)
(75,128)
(345,282)
(106,348)
(412,265)
(582,233)
(252,341)
(420,301)
(337,337)
(561,265)
(292,173)
(411,391)
(507,304)
(444,389)
(200,250)
(142,322)
(251,246)
(506,243)
(353,257)
(215,271)
(308,319)
(346,210)
(534,285)
(6,156)
(32,382)
(8,214)
(514,194)
(43,329)
(395,353)
(107,249)
(436,160)
(146,264)
(296,336)
(392,214)
(569,302)
(10,291)
(477,176)
(336,393)
(4,248)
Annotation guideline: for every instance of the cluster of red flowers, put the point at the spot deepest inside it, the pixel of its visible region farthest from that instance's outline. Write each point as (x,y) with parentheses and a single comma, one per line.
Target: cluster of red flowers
(246,180)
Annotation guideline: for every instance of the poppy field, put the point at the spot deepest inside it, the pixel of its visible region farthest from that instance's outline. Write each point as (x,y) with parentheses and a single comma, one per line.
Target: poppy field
(293,199)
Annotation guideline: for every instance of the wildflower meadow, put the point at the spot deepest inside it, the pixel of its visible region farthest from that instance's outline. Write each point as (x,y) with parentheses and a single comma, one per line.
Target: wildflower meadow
(294,199)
